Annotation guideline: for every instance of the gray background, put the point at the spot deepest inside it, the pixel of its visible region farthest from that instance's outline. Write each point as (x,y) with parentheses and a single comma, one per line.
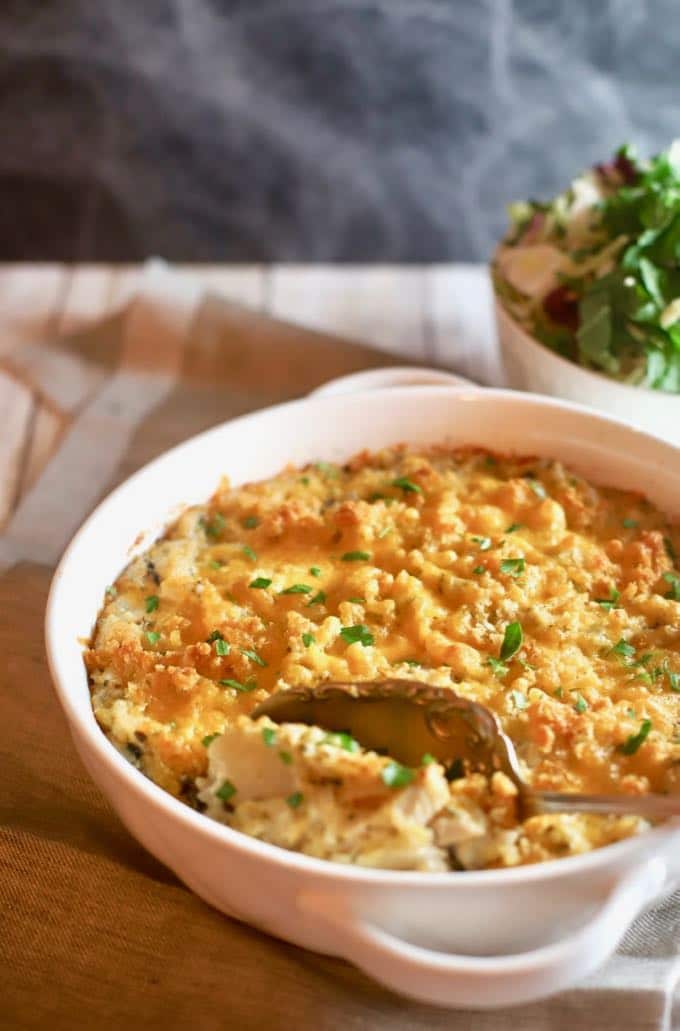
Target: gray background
(309,130)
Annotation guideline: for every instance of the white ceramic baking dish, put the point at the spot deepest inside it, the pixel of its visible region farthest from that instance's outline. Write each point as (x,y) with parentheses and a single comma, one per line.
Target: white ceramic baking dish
(477,939)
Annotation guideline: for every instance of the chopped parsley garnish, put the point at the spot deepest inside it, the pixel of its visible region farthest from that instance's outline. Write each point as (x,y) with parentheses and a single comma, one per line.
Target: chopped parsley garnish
(512,641)
(632,743)
(318,599)
(260,582)
(612,602)
(357,601)
(358,633)
(215,563)
(427,759)
(297,589)
(519,700)
(308,639)
(411,662)
(208,740)
(499,669)
(216,635)
(580,704)
(376,496)
(215,526)
(152,636)
(673,680)
(111,591)
(624,649)
(356,556)
(384,532)
(222,647)
(314,571)
(537,487)
(342,740)
(483,543)
(152,603)
(674,580)
(253,656)
(327,469)
(269,736)
(250,685)
(286,758)
(226,791)
(513,527)
(394,775)
(558,692)
(295,799)
(408,486)
(631,524)
(479,570)
(304,480)
(513,566)
(250,522)
(249,553)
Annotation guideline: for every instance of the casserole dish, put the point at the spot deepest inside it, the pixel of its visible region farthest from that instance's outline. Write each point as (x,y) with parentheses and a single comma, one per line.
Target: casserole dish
(473,939)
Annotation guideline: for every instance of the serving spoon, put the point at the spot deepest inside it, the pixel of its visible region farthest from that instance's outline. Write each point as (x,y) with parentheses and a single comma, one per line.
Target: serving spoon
(408,720)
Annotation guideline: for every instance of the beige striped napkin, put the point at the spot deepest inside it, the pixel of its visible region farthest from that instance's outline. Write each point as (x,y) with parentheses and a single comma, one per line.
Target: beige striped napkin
(93,932)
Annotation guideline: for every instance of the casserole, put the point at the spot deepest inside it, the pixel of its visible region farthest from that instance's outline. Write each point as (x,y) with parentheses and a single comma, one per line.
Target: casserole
(487,938)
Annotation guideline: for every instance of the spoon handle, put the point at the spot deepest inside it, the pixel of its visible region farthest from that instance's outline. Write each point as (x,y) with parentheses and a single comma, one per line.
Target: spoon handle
(652,806)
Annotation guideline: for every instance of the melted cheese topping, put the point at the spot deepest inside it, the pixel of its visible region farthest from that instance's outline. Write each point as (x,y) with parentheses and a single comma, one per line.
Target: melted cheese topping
(423,560)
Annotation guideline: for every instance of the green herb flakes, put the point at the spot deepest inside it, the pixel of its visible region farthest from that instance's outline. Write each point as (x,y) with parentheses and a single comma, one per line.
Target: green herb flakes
(249,553)
(295,799)
(427,759)
(216,635)
(226,791)
(580,704)
(478,570)
(408,486)
(152,603)
(357,634)
(286,758)
(259,583)
(356,556)
(630,524)
(269,736)
(250,522)
(215,563)
(318,599)
(297,589)
(214,528)
(246,688)
(394,775)
(483,543)
(308,639)
(519,700)
(512,641)
(632,743)
(152,636)
(342,740)
(208,740)
(513,566)
(331,472)
(537,487)
(253,656)
(222,647)
(314,571)
(623,649)
(513,528)
(674,580)
(498,668)
(612,602)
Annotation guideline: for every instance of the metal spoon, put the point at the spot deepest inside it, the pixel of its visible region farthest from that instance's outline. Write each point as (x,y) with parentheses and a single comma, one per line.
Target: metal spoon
(406,720)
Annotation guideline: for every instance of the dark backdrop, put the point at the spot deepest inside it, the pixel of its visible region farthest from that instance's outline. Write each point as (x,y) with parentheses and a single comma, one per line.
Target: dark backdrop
(312,130)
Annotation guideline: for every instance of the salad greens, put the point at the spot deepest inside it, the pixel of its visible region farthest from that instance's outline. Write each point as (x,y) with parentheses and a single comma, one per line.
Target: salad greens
(595,273)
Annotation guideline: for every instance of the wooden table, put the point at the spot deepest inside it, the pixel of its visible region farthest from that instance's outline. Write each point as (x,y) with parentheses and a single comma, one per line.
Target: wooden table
(425,313)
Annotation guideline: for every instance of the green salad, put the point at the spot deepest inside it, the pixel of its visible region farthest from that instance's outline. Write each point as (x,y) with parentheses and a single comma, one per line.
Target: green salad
(595,273)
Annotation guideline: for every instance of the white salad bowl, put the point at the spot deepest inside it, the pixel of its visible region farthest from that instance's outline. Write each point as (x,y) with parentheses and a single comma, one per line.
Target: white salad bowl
(530,365)
(480,939)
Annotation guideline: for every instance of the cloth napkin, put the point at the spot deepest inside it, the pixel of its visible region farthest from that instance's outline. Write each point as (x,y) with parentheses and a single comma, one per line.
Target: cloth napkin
(94,933)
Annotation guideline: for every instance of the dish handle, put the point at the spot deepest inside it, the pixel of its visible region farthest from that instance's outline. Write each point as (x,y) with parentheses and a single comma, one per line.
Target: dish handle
(486,982)
(390,376)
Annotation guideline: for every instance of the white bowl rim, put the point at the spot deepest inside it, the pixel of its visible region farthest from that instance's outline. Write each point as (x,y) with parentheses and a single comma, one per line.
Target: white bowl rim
(544,351)
(140,784)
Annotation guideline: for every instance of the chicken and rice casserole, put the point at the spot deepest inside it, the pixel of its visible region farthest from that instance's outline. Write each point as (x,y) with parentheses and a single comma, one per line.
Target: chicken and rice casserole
(508,580)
